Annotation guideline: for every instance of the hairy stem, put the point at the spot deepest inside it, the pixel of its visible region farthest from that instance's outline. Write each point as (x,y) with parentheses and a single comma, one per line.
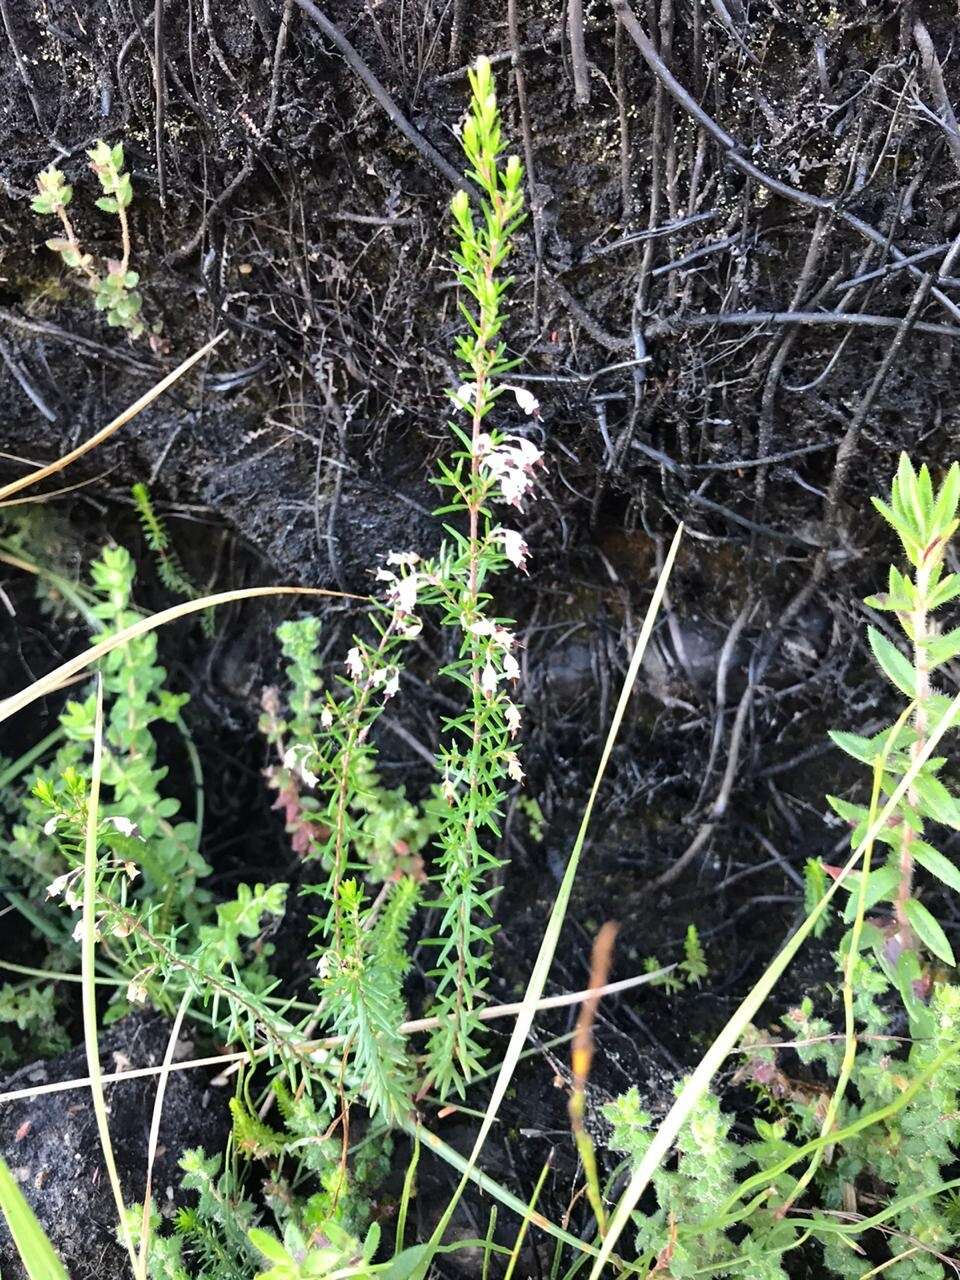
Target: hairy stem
(75,244)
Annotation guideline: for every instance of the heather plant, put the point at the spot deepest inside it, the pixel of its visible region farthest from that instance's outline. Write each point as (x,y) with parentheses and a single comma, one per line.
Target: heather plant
(337,813)
(111,281)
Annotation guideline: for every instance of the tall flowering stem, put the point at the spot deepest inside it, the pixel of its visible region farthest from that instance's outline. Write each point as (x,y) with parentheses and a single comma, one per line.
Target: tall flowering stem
(489,468)
(925,520)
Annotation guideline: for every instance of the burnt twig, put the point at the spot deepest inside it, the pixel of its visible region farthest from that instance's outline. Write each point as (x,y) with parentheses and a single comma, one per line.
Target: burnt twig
(360,68)
(578,52)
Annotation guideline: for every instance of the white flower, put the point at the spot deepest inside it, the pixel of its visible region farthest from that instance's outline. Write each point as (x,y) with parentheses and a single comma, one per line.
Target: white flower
(56,887)
(124,826)
(511,714)
(527,401)
(514,486)
(136,992)
(448,788)
(511,668)
(514,768)
(503,637)
(514,547)
(465,395)
(403,589)
(295,758)
(488,681)
(326,717)
(406,592)
(411,628)
(51,824)
(354,663)
(389,679)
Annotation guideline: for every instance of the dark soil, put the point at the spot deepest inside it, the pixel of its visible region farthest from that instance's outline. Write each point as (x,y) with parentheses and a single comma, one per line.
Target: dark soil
(288,210)
(52,1146)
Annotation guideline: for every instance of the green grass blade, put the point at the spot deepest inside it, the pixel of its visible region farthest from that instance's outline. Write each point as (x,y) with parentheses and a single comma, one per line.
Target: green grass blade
(88,960)
(35,1250)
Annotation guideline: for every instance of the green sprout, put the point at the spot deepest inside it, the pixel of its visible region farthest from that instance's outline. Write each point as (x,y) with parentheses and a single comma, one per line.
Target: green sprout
(111,281)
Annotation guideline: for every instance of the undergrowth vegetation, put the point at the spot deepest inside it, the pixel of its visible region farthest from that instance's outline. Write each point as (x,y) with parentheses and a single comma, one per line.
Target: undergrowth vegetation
(845,1164)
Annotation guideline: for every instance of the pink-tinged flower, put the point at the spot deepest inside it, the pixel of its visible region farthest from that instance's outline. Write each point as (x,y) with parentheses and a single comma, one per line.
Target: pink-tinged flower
(512,463)
(354,663)
(503,637)
(514,547)
(514,768)
(511,713)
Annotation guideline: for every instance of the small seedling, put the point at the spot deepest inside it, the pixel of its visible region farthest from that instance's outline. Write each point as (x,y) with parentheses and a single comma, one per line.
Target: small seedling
(111,281)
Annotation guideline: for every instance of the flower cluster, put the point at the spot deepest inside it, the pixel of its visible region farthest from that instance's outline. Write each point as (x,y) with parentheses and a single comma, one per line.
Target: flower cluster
(403,586)
(514,547)
(360,668)
(512,461)
(499,662)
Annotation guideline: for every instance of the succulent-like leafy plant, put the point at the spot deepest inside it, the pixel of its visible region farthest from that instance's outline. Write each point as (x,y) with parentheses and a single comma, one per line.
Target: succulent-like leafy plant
(112,281)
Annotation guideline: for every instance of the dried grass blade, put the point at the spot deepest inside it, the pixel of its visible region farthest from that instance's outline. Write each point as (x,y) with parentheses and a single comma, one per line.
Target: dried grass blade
(154,1139)
(48,683)
(98,437)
